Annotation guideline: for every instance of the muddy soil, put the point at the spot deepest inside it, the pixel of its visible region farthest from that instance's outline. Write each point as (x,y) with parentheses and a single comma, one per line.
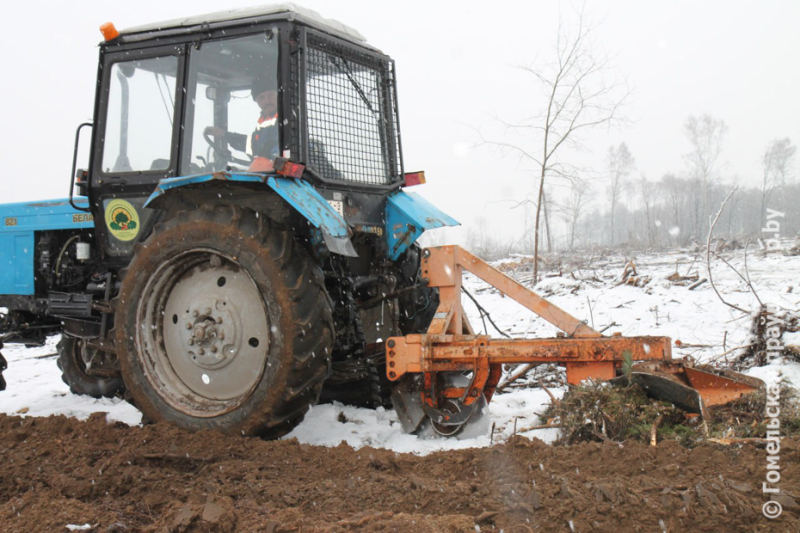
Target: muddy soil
(57,471)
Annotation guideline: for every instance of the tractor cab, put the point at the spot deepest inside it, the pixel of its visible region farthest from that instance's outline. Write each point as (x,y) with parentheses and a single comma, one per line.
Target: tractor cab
(232,93)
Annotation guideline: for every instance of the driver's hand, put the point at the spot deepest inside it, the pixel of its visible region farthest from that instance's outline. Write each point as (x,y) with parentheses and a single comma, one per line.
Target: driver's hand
(215,131)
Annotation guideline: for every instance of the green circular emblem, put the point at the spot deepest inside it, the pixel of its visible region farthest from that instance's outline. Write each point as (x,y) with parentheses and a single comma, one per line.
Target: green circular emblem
(122,220)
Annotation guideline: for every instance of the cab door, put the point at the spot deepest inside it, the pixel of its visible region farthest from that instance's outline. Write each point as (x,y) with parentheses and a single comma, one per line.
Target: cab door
(136,142)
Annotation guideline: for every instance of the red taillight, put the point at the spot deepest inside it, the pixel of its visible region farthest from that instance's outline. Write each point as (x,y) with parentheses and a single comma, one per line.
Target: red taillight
(287,168)
(414,178)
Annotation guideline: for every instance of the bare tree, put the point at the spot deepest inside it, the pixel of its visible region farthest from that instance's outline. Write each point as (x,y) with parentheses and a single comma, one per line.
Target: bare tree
(706,135)
(776,162)
(646,190)
(575,206)
(674,194)
(581,90)
(620,164)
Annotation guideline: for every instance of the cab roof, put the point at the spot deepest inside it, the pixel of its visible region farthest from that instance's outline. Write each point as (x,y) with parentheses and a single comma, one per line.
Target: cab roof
(290,12)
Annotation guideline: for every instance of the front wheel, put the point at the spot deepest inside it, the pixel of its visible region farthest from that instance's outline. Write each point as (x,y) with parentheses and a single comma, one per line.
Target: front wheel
(75,360)
(223,323)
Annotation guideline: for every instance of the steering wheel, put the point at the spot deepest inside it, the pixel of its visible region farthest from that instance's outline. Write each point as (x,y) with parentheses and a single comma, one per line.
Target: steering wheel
(221,152)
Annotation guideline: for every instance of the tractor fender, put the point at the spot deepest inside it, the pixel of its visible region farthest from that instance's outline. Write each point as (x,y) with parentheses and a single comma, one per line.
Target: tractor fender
(408,215)
(299,194)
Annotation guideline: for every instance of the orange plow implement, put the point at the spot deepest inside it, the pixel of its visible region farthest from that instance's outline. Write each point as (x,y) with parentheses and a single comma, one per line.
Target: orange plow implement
(448,374)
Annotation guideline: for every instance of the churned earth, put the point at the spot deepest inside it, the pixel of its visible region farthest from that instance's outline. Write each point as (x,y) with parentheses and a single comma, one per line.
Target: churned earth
(109,477)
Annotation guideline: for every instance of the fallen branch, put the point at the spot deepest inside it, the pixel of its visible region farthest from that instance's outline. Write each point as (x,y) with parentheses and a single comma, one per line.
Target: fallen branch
(696,284)
(541,426)
(723,354)
(680,344)
(608,326)
(518,373)
(544,387)
(743,278)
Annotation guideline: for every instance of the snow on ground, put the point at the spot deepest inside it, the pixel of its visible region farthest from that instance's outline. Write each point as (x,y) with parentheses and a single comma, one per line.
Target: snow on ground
(705,326)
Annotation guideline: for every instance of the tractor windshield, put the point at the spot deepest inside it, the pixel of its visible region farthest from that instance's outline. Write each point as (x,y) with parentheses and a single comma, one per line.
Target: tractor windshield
(232,105)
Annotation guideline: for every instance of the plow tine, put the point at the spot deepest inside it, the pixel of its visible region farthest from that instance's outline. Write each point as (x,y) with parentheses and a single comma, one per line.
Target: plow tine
(407,403)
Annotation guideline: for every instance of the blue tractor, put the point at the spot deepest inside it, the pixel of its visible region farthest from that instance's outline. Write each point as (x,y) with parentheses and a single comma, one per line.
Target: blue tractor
(241,244)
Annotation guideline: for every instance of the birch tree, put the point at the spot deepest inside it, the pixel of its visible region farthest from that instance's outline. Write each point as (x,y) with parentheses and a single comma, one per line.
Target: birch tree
(706,134)
(620,164)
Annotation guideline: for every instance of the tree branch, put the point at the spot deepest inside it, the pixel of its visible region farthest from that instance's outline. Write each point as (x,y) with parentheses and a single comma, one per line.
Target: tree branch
(708,255)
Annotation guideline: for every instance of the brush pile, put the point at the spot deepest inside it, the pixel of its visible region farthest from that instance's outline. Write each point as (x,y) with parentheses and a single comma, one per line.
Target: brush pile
(602,412)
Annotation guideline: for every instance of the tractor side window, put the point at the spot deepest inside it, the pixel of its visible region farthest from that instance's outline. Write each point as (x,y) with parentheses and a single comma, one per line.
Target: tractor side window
(232,105)
(351,114)
(141,108)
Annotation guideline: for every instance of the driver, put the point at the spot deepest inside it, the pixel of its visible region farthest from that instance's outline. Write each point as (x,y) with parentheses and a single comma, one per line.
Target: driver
(263,144)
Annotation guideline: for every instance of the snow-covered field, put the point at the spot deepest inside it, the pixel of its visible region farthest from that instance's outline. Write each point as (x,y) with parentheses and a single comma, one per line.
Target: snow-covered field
(706,327)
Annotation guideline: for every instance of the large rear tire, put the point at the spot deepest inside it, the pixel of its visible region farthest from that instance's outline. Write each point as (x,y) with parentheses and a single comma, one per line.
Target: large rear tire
(223,322)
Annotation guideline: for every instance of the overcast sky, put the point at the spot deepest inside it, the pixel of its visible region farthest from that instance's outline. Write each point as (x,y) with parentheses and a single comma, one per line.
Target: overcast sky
(739,61)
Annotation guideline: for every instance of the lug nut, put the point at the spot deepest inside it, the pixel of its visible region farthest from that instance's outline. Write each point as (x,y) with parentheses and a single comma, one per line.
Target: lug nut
(195,313)
(201,351)
(219,320)
(188,326)
(191,342)
(208,310)
(213,349)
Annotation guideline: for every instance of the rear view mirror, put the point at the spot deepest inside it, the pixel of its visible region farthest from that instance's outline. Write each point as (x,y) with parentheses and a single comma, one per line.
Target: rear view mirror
(218,95)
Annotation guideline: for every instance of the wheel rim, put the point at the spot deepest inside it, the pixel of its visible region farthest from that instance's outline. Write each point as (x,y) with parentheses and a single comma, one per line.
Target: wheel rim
(202,333)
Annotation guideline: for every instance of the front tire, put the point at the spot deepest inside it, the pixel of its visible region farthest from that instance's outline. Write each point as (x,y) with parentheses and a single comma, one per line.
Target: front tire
(72,359)
(223,323)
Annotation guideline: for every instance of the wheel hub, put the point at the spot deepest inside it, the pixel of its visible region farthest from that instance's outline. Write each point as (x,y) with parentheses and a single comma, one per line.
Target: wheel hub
(207,329)
(205,334)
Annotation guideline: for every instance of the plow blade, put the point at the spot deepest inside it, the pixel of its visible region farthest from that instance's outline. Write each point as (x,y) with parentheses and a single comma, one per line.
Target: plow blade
(445,377)
(692,388)
(407,402)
